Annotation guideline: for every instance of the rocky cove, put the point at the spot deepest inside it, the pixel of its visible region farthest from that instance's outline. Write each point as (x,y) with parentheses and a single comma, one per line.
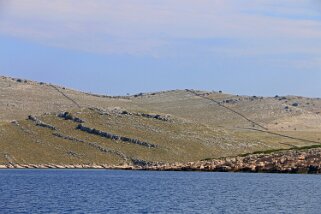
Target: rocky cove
(290,161)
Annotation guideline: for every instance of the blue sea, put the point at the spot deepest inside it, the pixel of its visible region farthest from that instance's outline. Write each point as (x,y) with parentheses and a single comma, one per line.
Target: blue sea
(112,191)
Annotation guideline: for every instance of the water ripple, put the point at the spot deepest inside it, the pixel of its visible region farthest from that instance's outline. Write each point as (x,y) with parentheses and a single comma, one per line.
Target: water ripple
(100,191)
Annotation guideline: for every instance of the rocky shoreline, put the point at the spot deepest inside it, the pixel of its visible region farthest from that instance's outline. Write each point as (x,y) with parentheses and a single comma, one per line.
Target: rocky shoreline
(290,161)
(64,166)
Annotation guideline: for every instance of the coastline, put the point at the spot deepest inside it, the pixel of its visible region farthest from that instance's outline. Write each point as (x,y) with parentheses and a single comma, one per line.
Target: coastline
(291,161)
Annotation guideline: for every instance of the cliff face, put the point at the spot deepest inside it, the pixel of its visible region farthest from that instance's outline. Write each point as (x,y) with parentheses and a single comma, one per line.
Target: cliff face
(46,124)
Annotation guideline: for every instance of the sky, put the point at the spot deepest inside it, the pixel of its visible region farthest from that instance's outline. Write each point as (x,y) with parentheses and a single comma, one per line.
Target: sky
(115,47)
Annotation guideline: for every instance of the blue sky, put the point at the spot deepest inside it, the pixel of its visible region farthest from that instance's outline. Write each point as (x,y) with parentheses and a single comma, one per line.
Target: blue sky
(252,47)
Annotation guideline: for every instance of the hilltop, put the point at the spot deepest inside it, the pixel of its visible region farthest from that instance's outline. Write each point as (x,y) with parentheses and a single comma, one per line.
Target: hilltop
(43,123)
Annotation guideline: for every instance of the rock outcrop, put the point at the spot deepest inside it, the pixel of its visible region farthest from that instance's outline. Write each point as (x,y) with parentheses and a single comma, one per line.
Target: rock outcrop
(40,123)
(121,111)
(155,116)
(69,116)
(292,161)
(114,137)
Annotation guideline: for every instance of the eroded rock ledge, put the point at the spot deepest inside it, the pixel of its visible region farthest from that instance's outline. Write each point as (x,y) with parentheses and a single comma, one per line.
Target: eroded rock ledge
(41,123)
(121,111)
(69,116)
(114,137)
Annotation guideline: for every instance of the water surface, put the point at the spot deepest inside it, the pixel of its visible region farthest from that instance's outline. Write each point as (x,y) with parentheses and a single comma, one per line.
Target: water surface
(108,191)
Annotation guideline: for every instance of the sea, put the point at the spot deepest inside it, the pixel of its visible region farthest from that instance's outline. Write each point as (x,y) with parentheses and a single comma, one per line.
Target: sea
(113,191)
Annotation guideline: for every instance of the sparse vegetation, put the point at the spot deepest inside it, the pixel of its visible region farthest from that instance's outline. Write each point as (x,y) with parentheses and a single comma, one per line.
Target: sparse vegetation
(182,126)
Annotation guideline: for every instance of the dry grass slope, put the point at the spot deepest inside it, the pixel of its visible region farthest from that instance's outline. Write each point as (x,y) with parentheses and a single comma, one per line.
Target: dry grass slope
(184,125)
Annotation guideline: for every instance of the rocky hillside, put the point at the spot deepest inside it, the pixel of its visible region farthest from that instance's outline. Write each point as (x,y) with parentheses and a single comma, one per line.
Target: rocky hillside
(47,124)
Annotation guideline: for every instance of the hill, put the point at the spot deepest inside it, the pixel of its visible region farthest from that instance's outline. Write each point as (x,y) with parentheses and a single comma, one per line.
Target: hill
(42,123)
